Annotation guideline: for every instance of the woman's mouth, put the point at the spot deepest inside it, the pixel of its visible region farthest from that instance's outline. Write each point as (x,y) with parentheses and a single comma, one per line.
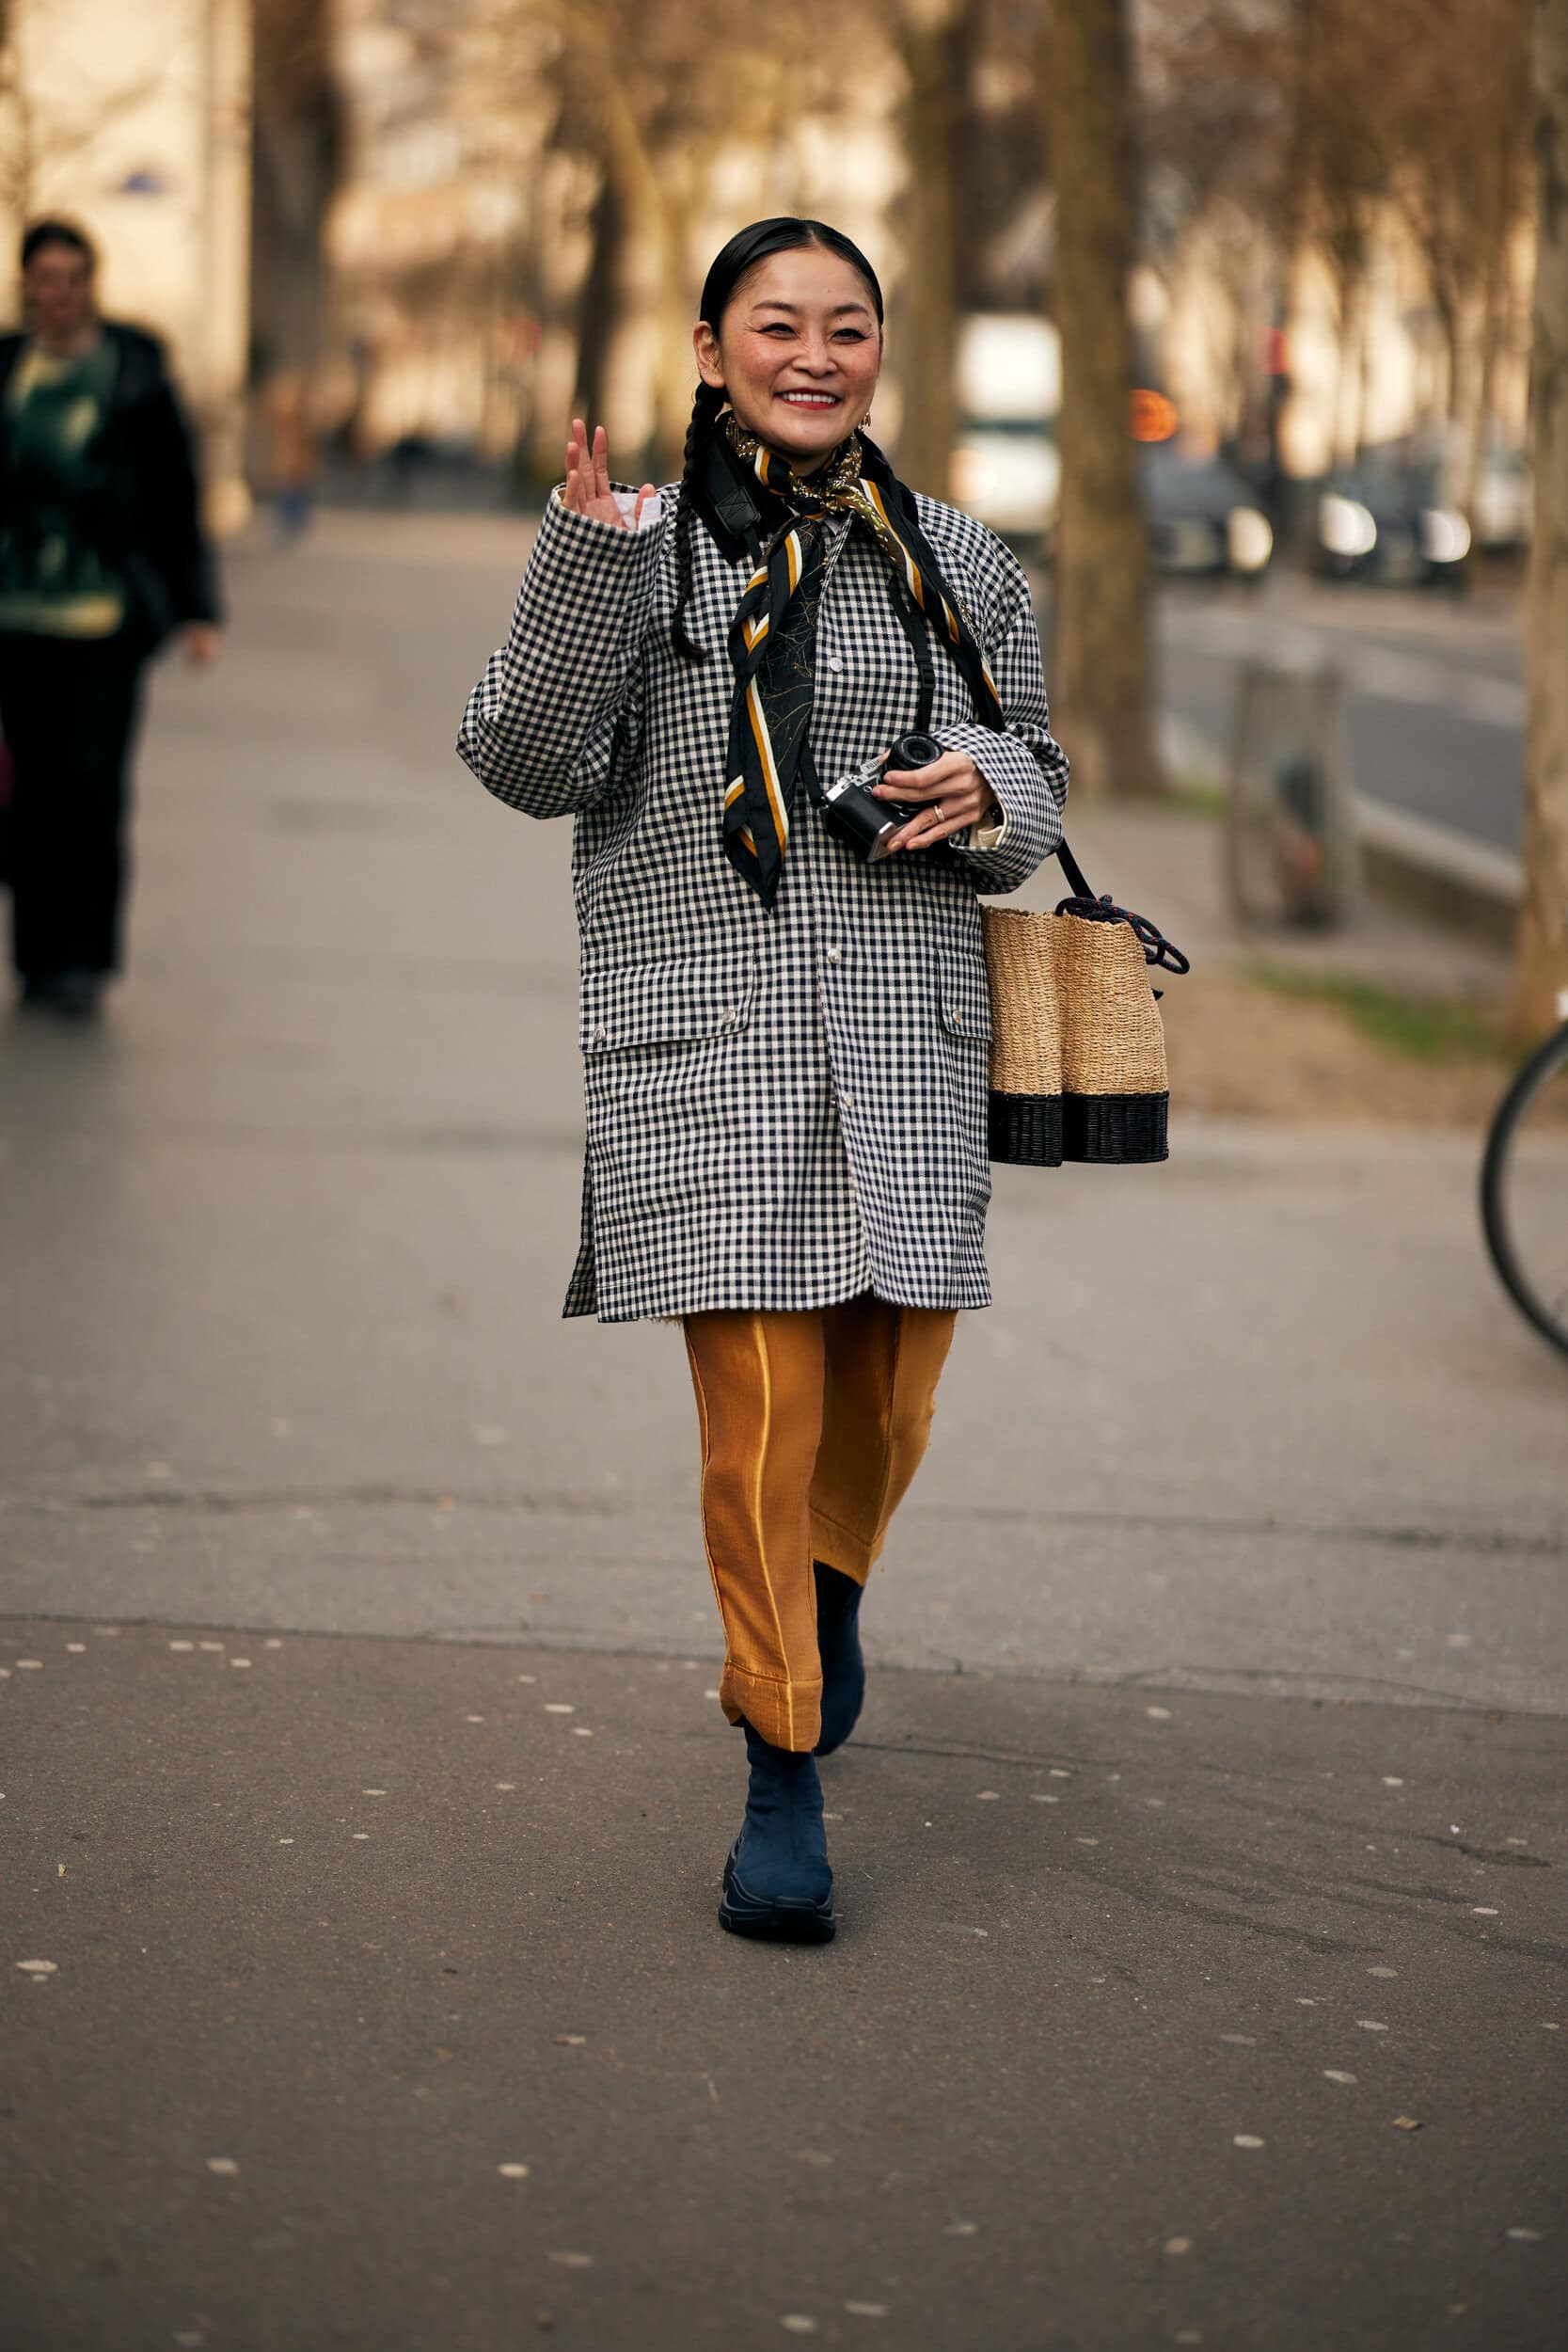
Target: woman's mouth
(811,400)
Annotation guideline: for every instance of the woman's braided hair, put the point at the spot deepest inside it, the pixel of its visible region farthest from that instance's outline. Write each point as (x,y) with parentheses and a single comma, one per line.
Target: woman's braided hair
(705,411)
(781,234)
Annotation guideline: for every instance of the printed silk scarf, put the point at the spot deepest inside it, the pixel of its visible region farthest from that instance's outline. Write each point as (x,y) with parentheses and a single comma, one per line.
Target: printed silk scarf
(753,503)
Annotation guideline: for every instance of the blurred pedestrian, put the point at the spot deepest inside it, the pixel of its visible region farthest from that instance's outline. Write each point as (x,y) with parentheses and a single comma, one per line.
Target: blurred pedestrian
(101,556)
(291,455)
(786,1059)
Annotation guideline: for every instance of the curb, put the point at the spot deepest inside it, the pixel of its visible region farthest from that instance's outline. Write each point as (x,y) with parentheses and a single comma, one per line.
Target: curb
(1440,872)
(1430,868)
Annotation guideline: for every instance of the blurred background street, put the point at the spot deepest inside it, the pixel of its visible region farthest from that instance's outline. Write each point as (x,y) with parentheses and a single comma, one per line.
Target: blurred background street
(363,1790)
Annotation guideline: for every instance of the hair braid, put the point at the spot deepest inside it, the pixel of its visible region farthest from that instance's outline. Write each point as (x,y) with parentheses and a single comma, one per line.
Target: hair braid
(704,410)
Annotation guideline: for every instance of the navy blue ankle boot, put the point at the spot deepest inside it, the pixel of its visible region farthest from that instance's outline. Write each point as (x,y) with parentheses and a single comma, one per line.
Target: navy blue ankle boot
(777,1881)
(838,1641)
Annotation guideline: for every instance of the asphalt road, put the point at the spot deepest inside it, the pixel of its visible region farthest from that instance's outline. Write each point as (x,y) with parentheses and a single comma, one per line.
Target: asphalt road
(1243,1538)
(1434,704)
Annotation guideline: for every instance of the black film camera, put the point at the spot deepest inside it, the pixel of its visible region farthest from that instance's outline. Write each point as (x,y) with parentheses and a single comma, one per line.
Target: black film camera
(858,818)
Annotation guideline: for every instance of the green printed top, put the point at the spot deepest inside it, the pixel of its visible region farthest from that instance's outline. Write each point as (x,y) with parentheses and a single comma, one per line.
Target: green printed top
(53,580)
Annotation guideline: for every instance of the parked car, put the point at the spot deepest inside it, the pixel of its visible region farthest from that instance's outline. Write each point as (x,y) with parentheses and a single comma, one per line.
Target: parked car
(1503,506)
(1202,516)
(1389,524)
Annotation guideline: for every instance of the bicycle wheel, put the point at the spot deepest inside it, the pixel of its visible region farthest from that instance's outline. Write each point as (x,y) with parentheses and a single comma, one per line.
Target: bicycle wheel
(1523,1189)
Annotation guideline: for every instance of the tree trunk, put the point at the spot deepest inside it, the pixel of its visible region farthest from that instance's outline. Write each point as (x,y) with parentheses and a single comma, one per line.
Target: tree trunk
(1102,658)
(1453,289)
(933,44)
(1542,969)
(676,367)
(1351,294)
(597,301)
(1491,339)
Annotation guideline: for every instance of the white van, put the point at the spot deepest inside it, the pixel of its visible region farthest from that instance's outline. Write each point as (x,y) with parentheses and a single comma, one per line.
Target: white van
(1007,470)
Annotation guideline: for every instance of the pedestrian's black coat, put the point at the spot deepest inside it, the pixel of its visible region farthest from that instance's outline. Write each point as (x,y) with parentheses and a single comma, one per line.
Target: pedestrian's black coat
(147,527)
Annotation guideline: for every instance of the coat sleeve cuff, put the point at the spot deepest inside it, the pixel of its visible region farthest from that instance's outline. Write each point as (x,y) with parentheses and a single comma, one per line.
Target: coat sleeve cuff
(1031,818)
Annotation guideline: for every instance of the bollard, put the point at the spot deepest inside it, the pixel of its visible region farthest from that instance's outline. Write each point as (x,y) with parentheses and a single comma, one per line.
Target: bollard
(1289,833)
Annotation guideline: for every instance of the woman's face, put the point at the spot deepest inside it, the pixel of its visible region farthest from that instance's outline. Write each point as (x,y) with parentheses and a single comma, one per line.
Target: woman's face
(58,292)
(799,351)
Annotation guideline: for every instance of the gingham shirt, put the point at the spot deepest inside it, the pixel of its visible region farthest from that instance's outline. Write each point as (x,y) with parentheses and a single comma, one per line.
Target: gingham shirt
(784,1108)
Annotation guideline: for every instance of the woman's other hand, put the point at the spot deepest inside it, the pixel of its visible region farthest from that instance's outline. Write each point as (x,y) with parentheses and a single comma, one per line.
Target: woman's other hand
(587,488)
(952,793)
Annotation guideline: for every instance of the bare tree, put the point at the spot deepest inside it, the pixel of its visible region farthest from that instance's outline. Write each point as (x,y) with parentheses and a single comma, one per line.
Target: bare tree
(1103,652)
(1542,969)
(933,38)
(650,94)
(1457,88)
(43,132)
(297,151)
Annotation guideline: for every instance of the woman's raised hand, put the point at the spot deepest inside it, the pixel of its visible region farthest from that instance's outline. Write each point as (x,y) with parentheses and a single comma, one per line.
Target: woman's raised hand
(587,490)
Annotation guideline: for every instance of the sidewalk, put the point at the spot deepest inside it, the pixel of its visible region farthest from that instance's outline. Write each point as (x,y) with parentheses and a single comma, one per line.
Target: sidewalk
(1242,1537)
(387,2010)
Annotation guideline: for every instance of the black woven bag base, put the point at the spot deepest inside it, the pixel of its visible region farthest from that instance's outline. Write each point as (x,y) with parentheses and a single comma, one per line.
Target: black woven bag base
(1109,1130)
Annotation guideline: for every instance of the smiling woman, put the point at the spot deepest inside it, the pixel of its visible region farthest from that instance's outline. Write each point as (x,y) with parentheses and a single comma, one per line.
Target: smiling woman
(798,355)
(785,1044)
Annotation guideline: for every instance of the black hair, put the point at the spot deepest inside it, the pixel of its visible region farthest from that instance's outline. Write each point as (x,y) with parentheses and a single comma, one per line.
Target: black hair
(43,232)
(782,233)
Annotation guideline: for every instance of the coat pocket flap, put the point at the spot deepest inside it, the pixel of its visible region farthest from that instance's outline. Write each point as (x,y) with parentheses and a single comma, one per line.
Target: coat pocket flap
(965,993)
(672,1002)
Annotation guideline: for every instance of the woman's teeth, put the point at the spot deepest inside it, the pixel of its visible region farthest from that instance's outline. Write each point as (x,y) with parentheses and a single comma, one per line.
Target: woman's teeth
(811,400)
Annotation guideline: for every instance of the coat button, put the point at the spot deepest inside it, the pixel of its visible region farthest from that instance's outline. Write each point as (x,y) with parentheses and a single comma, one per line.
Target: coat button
(599,1034)
(834,663)
(835,955)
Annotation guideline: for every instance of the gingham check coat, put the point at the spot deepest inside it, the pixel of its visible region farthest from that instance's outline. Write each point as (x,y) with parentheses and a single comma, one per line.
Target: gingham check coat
(784,1108)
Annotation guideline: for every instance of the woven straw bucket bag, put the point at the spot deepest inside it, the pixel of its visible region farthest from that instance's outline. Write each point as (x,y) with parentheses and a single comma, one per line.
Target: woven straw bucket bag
(1078,1068)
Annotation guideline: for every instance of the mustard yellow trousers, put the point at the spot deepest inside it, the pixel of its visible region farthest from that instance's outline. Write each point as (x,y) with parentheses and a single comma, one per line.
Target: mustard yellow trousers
(813,1425)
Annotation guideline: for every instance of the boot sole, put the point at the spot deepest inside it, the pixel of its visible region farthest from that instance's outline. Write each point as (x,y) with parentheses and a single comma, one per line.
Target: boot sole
(778,1922)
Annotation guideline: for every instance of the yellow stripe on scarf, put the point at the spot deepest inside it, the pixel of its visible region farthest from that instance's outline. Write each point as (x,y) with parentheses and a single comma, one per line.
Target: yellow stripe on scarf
(770,773)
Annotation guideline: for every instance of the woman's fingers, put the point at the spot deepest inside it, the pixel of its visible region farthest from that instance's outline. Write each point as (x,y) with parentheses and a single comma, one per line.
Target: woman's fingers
(930,828)
(950,795)
(587,489)
(577,458)
(928,784)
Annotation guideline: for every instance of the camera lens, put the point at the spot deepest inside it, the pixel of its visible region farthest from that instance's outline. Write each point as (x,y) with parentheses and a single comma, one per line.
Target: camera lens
(913,750)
